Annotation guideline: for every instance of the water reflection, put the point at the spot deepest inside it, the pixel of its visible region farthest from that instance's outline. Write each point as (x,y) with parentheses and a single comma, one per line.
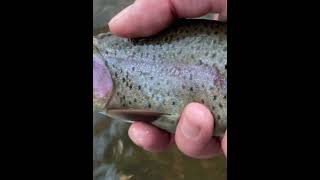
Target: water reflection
(115,157)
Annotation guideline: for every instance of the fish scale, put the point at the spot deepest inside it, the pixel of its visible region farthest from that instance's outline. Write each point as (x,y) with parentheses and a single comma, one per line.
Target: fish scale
(163,73)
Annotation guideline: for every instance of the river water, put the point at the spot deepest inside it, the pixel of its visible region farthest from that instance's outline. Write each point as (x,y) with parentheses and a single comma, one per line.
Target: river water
(115,157)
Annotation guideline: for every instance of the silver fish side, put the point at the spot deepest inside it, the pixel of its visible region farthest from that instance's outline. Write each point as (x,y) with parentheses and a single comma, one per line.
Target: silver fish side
(157,76)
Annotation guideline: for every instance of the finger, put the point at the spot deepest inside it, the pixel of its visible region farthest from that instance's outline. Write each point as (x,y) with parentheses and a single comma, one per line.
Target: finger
(147,17)
(224,144)
(194,133)
(149,137)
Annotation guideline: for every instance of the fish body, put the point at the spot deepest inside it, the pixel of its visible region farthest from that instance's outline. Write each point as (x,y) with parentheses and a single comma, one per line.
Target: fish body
(157,76)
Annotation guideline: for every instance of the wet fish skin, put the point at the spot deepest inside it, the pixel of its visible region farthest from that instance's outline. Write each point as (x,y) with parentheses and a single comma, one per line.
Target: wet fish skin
(163,73)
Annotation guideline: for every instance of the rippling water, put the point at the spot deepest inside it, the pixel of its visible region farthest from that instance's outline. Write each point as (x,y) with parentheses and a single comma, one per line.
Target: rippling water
(115,157)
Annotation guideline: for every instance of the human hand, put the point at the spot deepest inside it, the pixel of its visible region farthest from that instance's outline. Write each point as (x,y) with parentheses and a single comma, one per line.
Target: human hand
(195,128)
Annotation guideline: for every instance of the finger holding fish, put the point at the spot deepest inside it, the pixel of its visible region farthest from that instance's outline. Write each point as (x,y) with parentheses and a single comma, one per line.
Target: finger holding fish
(158,78)
(193,135)
(147,17)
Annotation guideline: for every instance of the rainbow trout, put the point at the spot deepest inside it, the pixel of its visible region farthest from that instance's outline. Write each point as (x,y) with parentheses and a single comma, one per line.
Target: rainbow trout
(152,79)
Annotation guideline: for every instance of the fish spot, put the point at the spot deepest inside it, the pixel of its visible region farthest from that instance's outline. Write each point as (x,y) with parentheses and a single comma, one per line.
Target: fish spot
(202,86)
(149,105)
(213,108)
(220,105)
(225,48)
(218,117)
(224,97)
(191,88)
(127,84)
(139,87)
(173,103)
(130,86)
(118,94)
(123,105)
(202,101)
(135,100)
(129,102)
(127,75)
(106,52)
(214,97)
(213,55)
(133,68)
(190,77)
(200,62)
(123,80)
(116,74)
(151,78)
(123,97)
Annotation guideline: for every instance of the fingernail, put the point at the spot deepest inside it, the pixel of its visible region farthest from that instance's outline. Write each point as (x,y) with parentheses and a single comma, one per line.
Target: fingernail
(188,129)
(119,15)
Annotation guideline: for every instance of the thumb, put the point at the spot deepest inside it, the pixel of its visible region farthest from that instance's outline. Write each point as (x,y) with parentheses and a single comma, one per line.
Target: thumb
(194,132)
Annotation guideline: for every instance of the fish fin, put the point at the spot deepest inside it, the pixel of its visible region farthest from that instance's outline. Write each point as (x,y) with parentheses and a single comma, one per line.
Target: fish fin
(167,122)
(164,121)
(134,114)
